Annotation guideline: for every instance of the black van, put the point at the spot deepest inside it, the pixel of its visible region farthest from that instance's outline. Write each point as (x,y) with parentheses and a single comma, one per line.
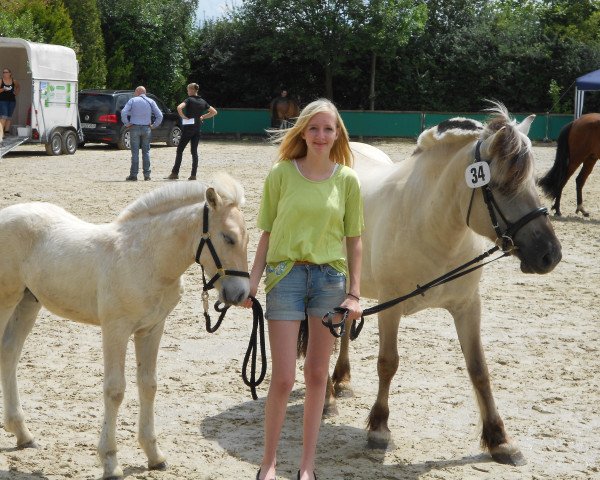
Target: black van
(100,117)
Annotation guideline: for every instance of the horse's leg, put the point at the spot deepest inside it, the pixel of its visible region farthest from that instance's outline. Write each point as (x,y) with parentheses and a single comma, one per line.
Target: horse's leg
(387,364)
(467,319)
(587,168)
(18,326)
(114,346)
(341,372)
(146,352)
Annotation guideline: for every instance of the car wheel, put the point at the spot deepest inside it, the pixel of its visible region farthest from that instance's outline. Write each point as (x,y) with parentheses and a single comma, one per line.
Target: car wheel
(174,136)
(124,142)
(69,142)
(54,145)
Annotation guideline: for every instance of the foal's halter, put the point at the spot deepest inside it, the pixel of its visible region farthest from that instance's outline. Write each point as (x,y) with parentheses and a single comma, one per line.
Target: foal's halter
(504,242)
(221,272)
(258,329)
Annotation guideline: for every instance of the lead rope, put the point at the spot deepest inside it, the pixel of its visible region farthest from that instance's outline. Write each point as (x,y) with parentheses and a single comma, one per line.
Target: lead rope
(420,290)
(257,339)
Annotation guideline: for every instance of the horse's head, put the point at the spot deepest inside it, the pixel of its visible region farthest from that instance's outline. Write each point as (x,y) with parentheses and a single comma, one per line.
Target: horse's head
(512,198)
(228,236)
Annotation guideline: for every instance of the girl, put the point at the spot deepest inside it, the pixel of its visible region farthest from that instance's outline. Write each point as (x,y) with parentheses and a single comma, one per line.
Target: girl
(311,202)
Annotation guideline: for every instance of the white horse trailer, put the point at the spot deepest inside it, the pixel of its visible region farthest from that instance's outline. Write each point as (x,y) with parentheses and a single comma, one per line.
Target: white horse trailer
(46,110)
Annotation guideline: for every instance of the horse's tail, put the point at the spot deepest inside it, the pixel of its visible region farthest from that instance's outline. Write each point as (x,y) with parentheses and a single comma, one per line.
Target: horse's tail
(554,180)
(302,339)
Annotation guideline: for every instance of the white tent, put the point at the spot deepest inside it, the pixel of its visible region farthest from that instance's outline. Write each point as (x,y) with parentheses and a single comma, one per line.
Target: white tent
(586,83)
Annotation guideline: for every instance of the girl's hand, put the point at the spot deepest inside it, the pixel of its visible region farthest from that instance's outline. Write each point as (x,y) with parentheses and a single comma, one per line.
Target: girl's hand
(353,306)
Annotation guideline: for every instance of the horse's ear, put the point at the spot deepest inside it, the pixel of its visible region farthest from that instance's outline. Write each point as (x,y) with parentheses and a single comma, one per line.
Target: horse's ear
(213,198)
(524,126)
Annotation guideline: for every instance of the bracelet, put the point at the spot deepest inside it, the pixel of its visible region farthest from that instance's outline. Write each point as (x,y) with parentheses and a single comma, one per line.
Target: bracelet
(353,296)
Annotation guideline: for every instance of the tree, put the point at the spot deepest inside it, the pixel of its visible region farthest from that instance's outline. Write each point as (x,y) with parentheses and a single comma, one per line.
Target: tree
(90,43)
(386,25)
(148,39)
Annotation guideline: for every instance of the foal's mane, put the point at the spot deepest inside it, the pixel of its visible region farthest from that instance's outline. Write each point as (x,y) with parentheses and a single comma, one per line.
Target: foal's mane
(181,194)
(510,155)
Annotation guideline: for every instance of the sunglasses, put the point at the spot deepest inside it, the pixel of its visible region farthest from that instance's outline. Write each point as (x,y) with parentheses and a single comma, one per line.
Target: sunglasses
(5,71)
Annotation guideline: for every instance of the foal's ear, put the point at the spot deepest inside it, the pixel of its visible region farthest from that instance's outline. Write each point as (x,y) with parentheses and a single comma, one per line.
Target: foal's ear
(213,198)
(524,126)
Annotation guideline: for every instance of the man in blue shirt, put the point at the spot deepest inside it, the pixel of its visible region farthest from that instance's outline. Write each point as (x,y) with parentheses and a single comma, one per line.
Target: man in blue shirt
(137,116)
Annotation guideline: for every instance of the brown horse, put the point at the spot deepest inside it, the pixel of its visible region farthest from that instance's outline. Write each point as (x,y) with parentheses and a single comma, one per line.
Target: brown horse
(578,143)
(283,110)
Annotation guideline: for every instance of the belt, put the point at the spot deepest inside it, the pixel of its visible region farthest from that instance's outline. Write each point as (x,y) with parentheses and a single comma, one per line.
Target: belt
(304,262)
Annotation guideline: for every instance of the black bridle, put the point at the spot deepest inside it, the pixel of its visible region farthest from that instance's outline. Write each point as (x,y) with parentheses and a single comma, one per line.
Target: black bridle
(258,329)
(504,242)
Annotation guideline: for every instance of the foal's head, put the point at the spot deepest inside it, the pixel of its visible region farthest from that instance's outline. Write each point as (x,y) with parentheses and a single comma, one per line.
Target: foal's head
(508,151)
(228,234)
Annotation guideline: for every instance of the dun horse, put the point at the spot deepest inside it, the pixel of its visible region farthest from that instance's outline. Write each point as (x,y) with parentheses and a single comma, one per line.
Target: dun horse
(578,143)
(123,276)
(422,220)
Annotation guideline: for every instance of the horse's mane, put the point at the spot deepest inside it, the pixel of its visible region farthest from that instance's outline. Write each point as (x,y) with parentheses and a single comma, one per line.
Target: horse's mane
(181,194)
(511,158)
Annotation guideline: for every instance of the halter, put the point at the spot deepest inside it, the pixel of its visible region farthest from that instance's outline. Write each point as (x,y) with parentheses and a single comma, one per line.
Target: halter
(504,240)
(221,272)
(257,337)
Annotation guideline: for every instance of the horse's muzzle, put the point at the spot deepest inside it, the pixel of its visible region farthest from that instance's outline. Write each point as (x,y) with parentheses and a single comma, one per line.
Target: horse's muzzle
(234,290)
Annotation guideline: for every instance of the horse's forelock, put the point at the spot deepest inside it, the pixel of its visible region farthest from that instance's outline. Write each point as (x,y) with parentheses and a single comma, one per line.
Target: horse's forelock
(229,189)
(510,152)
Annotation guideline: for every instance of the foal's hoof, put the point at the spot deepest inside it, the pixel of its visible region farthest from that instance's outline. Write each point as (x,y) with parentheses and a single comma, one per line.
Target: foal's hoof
(29,444)
(508,455)
(162,466)
(378,439)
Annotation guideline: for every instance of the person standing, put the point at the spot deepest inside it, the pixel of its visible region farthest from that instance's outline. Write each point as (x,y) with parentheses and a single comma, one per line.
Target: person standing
(9,89)
(137,117)
(311,202)
(193,111)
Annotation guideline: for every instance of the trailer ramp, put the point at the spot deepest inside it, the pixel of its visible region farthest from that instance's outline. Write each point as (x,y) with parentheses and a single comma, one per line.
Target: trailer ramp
(8,143)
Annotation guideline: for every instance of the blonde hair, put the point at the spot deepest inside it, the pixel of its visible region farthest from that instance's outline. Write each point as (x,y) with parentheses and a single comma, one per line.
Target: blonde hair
(293,146)
(194,86)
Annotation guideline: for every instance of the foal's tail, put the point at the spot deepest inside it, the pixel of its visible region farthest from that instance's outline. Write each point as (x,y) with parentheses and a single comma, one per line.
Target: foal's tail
(553,182)
(302,339)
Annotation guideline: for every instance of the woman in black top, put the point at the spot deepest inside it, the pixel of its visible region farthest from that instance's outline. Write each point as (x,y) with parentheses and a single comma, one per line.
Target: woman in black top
(192,113)
(9,89)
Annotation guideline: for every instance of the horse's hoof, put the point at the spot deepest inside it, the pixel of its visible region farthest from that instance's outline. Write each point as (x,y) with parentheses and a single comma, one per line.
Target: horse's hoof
(343,391)
(29,444)
(112,478)
(330,410)
(557,214)
(509,455)
(162,466)
(378,440)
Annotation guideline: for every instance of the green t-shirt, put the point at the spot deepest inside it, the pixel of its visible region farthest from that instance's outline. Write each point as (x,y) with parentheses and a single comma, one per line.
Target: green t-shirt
(308,220)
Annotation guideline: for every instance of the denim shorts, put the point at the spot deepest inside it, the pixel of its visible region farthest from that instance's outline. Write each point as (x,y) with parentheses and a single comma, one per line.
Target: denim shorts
(318,289)
(7,109)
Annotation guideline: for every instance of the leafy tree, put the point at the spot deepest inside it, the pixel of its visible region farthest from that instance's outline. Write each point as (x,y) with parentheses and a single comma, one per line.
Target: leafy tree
(149,39)
(90,43)
(385,25)
(19,25)
(52,18)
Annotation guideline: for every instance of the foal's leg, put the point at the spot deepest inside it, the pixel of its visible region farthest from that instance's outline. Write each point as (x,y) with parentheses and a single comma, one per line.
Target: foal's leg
(146,352)
(17,328)
(114,346)
(467,319)
(387,365)
(587,168)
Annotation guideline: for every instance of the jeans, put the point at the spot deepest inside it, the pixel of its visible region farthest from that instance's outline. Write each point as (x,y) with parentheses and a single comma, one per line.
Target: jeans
(140,135)
(318,289)
(188,134)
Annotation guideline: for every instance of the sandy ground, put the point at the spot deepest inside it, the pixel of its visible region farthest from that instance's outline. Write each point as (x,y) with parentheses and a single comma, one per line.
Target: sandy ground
(540,333)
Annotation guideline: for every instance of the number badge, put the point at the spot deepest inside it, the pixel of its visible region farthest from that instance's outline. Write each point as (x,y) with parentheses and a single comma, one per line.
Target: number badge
(478,174)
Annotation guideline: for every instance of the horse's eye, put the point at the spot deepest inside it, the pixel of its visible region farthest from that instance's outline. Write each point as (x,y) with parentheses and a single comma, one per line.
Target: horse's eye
(228,239)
